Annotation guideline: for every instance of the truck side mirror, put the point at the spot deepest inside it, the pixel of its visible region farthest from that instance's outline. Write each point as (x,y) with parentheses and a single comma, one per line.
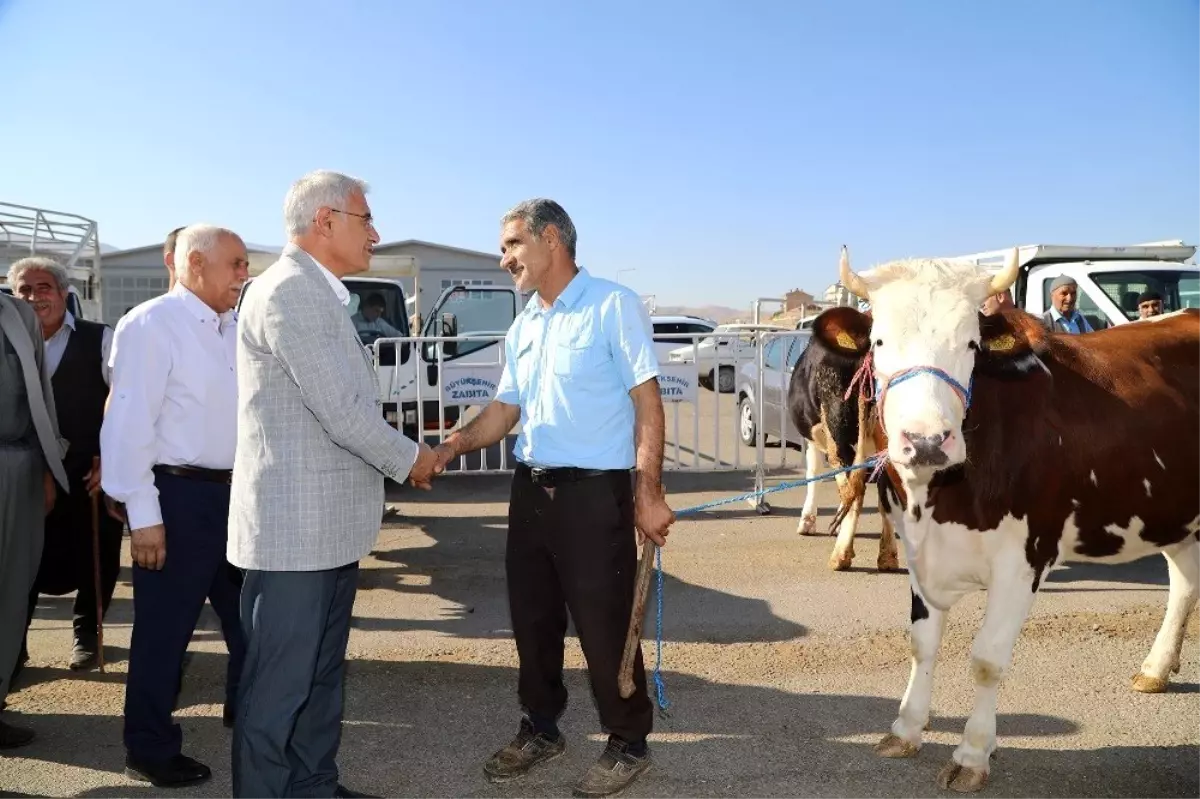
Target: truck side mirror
(449,330)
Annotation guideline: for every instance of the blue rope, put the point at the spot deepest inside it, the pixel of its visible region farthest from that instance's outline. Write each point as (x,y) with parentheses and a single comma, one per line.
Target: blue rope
(660,688)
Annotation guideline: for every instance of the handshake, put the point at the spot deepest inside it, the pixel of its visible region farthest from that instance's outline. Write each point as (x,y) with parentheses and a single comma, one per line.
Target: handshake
(430,461)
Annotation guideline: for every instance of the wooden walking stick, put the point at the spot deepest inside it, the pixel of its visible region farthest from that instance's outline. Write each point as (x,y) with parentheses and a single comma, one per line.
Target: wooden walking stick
(634,637)
(96,579)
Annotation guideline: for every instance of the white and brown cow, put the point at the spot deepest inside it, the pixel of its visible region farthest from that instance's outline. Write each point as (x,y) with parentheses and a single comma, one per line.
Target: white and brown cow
(1017,449)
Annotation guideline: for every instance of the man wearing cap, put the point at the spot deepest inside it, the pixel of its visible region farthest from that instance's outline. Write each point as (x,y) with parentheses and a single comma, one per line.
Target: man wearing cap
(1064,316)
(1149,303)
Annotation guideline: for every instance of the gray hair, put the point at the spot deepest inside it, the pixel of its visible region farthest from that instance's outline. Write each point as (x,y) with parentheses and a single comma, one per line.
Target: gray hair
(314,191)
(39,263)
(197,238)
(538,214)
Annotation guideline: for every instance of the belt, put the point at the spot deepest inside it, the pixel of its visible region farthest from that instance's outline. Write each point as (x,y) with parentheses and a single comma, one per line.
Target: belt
(196,473)
(548,478)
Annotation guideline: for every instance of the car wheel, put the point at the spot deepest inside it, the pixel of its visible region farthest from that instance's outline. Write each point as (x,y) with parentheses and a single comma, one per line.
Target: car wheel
(746,428)
(725,380)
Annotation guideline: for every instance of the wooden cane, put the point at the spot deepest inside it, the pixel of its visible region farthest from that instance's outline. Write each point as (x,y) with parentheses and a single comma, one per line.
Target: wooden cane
(634,637)
(96,580)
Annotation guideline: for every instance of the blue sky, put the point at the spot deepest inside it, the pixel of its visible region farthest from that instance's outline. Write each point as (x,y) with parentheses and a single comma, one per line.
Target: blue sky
(722,150)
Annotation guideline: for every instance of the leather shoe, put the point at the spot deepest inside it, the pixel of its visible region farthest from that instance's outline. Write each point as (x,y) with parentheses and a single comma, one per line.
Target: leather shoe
(83,658)
(174,772)
(343,791)
(11,737)
(229,716)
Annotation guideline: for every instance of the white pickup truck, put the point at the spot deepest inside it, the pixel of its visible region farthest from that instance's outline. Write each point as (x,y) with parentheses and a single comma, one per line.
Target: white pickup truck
(1109,278)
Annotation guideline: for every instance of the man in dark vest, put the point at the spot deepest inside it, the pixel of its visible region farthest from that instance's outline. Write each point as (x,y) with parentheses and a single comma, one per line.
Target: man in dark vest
(77,360)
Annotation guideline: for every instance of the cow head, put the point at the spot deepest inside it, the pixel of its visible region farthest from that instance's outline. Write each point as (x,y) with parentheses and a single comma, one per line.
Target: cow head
(924,337)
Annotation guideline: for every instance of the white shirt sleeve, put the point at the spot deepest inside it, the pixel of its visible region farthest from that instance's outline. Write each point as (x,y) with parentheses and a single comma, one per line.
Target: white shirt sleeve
(141,365)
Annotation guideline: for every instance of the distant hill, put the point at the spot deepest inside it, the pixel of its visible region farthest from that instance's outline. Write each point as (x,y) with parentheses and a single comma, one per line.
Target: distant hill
(718,313)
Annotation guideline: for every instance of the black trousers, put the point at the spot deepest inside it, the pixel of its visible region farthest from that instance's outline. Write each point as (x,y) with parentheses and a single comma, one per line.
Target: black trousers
(575,550)
(67,556)
(167,605)
(289,716)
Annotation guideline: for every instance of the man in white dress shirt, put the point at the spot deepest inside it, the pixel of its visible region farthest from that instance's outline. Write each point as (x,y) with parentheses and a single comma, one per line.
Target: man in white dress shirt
(77,353)
(167,445)
(313,450)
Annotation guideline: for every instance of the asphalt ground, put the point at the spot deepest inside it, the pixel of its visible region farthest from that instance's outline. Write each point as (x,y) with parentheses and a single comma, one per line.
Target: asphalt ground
(780,673)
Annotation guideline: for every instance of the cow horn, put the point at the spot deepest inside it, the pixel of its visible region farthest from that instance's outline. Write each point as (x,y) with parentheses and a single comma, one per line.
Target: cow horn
(1006,276)
(850,280)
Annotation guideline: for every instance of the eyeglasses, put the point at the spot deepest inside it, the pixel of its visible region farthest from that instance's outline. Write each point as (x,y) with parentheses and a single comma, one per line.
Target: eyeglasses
(367,218)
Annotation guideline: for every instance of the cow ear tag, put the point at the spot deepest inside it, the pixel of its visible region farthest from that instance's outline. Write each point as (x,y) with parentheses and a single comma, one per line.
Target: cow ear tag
(1005,342)
(846,341)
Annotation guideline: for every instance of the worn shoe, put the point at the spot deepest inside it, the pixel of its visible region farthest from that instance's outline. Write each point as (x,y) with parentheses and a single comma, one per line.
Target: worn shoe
(613,771)
(527,750)
(11,737)
(174,772)
(83,657)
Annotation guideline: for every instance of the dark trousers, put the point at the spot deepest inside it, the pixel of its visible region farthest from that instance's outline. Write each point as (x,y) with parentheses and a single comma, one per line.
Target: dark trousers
(166,606)
(289,712)
(67,557)
(575,550)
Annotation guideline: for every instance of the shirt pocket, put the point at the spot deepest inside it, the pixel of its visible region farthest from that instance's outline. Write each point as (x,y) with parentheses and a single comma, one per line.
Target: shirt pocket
(579,357)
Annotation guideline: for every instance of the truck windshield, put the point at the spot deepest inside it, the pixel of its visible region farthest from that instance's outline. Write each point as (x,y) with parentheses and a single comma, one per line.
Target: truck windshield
(1179,289)
(377,310)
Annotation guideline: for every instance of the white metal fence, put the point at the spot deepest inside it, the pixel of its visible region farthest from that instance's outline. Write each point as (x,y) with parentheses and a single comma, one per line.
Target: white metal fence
(724,395)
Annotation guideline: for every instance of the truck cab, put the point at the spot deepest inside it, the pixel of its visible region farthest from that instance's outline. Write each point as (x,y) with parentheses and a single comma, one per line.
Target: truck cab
(1109,278)
(457,363)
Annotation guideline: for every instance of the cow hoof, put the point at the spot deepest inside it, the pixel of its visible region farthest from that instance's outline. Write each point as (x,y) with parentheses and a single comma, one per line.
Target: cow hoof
(840,563)
(963,779)
(808,526)
(888,563)
(894,746)
(1149,685)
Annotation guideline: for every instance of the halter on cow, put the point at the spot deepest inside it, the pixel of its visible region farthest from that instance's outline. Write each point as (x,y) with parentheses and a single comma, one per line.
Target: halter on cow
(1017,449)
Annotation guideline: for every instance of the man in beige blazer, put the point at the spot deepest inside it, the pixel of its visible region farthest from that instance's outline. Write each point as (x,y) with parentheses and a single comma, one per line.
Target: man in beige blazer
(313,451)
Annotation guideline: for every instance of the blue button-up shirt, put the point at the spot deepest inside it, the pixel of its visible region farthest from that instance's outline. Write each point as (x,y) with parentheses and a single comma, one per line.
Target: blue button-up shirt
(1076,323)
(570,368)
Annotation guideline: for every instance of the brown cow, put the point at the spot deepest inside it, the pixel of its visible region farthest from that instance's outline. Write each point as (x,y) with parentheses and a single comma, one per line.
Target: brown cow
(1016,449)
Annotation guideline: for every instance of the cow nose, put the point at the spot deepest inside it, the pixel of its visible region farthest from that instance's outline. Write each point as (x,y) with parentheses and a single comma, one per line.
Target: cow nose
(927,450)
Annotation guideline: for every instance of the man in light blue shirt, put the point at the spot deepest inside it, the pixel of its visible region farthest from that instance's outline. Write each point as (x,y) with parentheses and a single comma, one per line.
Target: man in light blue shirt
(580,375)
(594,346)
(1064,316)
